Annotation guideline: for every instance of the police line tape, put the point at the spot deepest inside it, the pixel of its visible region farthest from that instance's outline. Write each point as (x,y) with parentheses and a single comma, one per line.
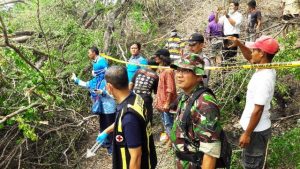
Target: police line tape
(125,62)
(277,65)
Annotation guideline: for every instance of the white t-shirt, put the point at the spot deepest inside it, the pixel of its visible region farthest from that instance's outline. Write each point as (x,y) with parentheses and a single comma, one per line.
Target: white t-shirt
(260,91)
(228,28)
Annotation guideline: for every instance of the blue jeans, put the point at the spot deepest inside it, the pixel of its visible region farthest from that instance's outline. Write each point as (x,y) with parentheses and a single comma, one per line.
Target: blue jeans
(167,119)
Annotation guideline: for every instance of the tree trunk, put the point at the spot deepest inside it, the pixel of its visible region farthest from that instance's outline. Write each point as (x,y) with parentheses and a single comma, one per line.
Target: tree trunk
(111,17)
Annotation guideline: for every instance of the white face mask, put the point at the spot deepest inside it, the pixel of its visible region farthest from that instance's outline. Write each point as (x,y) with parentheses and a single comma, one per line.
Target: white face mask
(231,11)
(110,95)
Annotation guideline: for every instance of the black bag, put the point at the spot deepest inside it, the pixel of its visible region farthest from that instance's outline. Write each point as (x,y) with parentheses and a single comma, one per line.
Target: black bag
(226,149)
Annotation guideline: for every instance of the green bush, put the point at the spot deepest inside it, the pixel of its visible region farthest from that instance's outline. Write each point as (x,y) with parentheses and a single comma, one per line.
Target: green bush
(288,53)
(284,150)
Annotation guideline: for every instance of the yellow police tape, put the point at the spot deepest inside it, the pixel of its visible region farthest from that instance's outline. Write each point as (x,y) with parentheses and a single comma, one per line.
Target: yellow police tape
(278,65)
(121,61)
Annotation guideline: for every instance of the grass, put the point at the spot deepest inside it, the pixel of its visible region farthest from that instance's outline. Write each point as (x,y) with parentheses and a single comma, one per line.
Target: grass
(284,151)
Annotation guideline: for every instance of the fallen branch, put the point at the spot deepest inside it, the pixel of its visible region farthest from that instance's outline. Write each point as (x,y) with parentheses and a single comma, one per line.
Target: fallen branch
(6,2)
(23,33)
(21,39)
(287,117)
(36,104)
(69,125)
(6,41)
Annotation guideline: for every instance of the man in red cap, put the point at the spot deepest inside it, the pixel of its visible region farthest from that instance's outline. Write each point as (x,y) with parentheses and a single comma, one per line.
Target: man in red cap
(255,119)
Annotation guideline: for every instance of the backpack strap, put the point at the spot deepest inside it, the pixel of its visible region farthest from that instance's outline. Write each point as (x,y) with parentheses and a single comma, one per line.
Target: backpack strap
(226,149)
(174,104)
(186,119)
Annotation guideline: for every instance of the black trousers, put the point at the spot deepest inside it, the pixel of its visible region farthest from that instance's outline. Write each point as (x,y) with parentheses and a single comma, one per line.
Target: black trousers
(253,156)
(105,120)
(229,53)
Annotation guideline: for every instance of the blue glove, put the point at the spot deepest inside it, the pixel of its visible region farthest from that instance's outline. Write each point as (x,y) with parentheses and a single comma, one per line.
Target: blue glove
(101,137)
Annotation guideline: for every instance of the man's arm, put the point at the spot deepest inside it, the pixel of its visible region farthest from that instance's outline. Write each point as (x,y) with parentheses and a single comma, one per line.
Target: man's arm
(231,21)
(131,84)
(110,128)
(102,136)
(254,120)
(217,17)
(245,51)
(237,20)
(135,157)
(79,82)
(258,26)
(168,102)
(221,19)
(209,162)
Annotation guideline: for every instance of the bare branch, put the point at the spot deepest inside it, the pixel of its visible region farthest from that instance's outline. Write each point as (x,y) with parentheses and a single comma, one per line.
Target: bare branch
(70,125)
(20,156)
(36,104)
(6,41)
(92,19)
(122,51)
(21,39)
(6,2)
(44,35)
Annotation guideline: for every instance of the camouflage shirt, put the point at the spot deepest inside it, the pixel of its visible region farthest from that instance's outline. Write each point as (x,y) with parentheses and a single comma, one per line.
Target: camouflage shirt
(205,128)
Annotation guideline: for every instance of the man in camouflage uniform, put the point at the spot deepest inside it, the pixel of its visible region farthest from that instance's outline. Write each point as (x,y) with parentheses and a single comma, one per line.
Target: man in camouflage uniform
(203,132)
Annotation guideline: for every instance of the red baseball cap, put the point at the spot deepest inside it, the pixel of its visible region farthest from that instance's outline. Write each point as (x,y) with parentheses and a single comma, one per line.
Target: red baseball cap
(264,43)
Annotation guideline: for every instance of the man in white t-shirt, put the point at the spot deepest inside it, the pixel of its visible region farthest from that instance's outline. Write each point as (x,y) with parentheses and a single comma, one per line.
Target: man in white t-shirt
(231,22)
(255,119)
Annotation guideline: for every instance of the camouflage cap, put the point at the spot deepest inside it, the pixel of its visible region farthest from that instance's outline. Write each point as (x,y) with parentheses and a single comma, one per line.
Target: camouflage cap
(192,62)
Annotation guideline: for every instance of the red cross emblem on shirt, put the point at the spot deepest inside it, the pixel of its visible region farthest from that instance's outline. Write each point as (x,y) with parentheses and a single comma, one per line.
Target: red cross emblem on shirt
(119,138)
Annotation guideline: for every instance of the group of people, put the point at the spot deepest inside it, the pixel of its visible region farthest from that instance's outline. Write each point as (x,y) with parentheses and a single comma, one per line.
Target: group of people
(227,22)
(123,98)
(222,23)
